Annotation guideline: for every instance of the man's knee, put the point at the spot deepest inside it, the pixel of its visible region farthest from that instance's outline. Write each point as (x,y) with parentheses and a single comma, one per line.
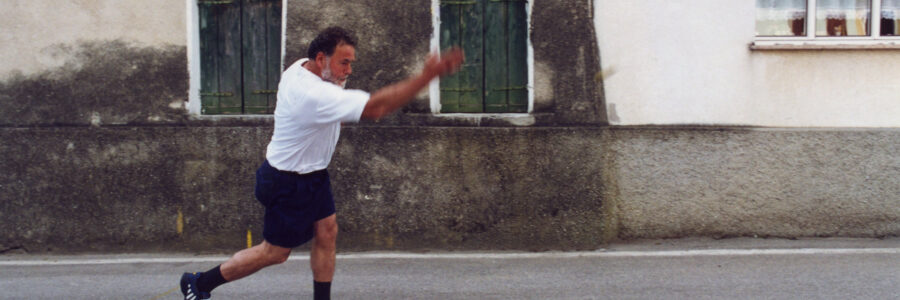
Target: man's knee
(275,254)
(280,257)
(326,232)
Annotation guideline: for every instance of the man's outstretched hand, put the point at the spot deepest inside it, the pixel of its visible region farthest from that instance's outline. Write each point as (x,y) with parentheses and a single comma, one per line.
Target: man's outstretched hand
(445,64)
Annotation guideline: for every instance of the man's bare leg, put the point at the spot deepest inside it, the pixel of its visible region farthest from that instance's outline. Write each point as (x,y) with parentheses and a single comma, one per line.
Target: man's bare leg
(243,263)
(253,259)
(322,256)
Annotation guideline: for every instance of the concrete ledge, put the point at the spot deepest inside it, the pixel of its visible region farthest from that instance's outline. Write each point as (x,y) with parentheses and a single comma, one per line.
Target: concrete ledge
(126,189)
(129,188)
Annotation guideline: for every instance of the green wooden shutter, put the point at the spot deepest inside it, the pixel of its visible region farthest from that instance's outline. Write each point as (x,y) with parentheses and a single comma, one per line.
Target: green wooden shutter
(273,58)
(506,75)
(493,33)
(240,55)
(261,39)
(517,67)
(461,24)
(220,62)
(210,94)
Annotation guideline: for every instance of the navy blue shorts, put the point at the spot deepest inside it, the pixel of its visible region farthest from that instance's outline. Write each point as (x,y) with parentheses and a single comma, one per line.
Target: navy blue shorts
(294,202)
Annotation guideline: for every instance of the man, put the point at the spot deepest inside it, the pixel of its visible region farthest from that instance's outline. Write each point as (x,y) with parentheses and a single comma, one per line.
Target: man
(293,183)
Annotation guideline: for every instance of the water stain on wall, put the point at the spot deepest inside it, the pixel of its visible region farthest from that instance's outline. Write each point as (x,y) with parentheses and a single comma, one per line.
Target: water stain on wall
(100,82)
(392,36)
(563,38)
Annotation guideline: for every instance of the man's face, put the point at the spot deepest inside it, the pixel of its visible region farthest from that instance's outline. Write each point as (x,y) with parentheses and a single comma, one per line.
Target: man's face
(337,67)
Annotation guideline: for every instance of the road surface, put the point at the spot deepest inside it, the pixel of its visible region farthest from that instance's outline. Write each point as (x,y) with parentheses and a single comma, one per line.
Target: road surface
(669,269)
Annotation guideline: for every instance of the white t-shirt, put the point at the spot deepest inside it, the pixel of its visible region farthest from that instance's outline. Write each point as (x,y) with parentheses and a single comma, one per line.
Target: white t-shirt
(308,118)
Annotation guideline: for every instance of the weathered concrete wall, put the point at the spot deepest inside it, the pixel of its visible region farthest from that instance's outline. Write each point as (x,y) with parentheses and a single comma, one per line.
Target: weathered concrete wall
(69,182)
(392,35)
(671,182)
(92,62)
(471,188)
(123,188)
(102,82)
(566,54)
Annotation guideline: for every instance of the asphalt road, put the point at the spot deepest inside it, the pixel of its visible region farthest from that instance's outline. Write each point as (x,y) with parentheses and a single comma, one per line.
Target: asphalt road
(682,269)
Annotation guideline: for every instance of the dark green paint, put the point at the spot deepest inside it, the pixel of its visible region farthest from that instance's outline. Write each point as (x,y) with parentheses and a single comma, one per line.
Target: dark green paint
(494,78)
(253,38)
(240,55)
(517,71)
(495,53)
(273,51)
(450,85)
(230,55)
(209,44)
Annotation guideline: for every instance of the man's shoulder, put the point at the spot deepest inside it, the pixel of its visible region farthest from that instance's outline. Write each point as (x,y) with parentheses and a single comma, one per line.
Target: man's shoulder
(298,78)
(299,63)
(295,68)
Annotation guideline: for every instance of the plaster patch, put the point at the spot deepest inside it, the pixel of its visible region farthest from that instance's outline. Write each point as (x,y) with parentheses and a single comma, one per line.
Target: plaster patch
(95,119)
(606,73)
(543,82)
(177,104)
(613,115)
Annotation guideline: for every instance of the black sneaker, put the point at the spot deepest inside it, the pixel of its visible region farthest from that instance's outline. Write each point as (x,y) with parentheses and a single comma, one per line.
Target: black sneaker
(189,287)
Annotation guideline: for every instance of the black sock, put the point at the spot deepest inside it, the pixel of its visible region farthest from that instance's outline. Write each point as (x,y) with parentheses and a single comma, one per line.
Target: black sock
(210,279)
(321,290)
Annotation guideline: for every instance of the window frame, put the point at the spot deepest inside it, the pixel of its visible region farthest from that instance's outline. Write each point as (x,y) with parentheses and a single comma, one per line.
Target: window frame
(194,106)
(873,41)
(434,93)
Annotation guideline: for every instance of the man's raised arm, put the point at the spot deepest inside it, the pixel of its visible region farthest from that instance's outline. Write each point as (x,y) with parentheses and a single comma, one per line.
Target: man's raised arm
(390,98)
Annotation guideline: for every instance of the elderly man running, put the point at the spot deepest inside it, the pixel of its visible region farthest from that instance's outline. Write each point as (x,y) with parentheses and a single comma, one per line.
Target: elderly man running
(293,182)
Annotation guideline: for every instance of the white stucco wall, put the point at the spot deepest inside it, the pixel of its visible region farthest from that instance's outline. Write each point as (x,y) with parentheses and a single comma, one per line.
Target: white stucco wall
(32,30)
(688,62)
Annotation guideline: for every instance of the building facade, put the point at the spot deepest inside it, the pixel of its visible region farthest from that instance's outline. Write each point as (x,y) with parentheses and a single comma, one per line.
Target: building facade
(138,126)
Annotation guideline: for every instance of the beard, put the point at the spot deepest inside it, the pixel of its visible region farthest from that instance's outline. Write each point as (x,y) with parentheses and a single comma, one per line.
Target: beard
(328,75)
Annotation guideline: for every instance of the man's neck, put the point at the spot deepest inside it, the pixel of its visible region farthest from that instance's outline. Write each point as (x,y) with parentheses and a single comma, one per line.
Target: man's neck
(310,66)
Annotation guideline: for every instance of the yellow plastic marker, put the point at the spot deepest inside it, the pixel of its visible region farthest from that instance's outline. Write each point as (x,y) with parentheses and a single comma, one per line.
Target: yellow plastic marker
(249,239)
(179,223)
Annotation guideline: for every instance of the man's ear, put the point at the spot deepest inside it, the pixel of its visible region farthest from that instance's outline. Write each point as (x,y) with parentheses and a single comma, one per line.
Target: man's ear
(320,60)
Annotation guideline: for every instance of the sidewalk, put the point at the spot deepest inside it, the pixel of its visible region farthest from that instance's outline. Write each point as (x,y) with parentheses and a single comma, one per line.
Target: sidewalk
(649,246)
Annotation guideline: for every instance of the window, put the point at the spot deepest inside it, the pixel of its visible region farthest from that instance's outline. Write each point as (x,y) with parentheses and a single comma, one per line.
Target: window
(890,18)
(240,55)
(823,19)
(494,78)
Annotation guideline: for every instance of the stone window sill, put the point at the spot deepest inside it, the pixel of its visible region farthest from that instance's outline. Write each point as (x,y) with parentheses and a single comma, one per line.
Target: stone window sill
(763,45)
(400,119)
(515,119)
